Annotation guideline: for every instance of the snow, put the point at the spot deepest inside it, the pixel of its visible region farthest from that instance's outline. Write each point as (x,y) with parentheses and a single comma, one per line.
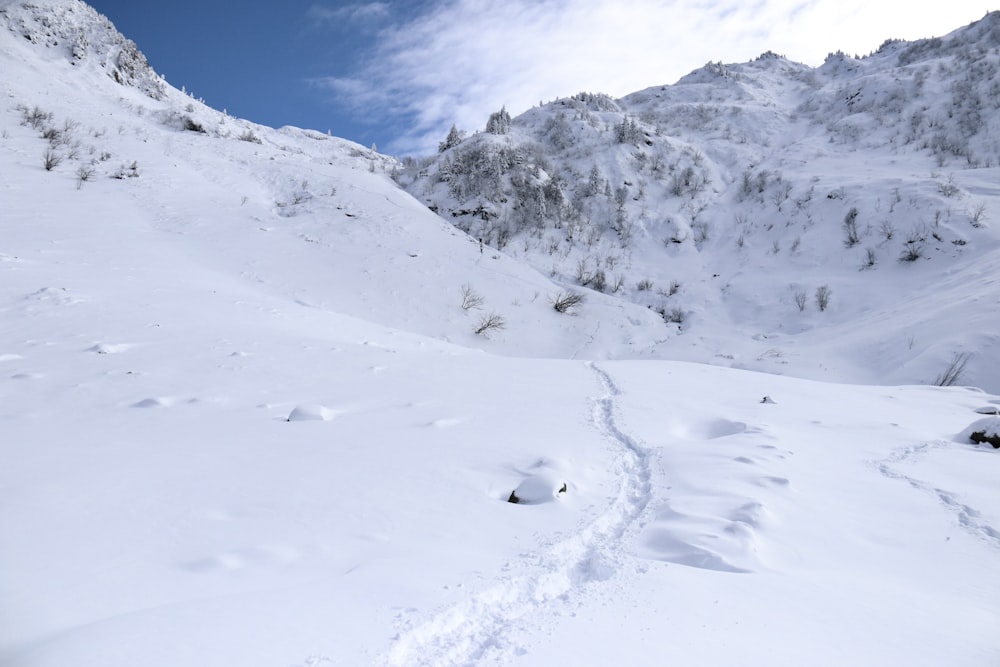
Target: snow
(245,420)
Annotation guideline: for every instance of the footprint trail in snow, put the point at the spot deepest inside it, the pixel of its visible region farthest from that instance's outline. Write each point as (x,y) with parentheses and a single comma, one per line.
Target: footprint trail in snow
(970,519)
(482,629)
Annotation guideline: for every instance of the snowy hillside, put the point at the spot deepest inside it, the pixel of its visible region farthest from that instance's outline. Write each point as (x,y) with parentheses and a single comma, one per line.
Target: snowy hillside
(725,202)
(247,418)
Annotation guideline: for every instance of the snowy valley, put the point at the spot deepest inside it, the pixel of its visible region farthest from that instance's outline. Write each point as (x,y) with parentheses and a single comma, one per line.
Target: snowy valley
(264,406)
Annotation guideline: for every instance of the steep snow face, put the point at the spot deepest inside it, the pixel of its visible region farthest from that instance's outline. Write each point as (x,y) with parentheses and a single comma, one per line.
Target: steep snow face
(831,222)
(74,30)
(261,194)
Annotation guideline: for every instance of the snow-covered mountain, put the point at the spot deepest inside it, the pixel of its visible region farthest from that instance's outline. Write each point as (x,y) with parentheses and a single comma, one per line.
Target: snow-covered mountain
(726,200)
(247,418)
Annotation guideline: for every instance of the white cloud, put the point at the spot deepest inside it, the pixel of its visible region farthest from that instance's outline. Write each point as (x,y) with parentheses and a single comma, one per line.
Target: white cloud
(461,59)
(354,13)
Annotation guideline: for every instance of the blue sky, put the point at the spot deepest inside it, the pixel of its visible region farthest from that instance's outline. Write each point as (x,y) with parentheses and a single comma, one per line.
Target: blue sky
(400,73)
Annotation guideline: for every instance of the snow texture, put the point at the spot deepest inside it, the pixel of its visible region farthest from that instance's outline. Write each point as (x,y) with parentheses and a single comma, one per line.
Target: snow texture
(246,419)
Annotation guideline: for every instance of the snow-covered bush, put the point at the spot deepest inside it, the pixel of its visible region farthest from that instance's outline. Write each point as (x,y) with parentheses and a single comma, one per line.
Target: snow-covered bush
(250,137)
(192,125)
(130,171)
(675,316)
(983,431)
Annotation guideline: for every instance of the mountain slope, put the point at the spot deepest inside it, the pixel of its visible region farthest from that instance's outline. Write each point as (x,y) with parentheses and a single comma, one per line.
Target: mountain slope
(246,420)
(380,255)
(726,200)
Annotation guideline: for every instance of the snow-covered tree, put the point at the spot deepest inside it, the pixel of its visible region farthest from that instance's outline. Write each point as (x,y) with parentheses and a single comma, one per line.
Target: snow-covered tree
(453,139)
(499,122)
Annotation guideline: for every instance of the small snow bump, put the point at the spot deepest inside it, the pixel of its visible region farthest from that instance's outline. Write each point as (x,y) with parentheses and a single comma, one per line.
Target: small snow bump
(446,423)
(106,348)
(537,489)
(153,403)
(302,413)
(721,428)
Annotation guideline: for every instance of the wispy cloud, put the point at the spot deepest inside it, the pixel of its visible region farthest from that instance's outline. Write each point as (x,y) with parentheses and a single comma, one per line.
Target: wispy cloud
(458,60)
(360,12)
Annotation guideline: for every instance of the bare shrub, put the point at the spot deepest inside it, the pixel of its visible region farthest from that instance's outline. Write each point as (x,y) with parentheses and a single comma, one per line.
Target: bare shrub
(84,173)
(978,215)
(52,135)
(887,229)
(35,117)
(490,322)
(567,301)
(871,258)
(951,375)
(912,251)
(701,231)
(913,247)
(471,298)
(599,281)
(51,159)
(644,285)
(851,228)
(800,300)
(823,297)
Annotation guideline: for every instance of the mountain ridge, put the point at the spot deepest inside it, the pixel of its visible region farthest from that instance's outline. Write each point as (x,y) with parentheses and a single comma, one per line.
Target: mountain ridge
(763,157)
(699,219)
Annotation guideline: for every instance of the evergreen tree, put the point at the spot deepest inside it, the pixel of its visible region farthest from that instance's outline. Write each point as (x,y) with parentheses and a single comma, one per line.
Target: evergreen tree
(453,139)
(499,122)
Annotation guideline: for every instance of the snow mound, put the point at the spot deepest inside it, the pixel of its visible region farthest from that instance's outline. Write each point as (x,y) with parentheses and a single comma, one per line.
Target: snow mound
(983,431)
(537,489)
(154,402)
(304,413)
